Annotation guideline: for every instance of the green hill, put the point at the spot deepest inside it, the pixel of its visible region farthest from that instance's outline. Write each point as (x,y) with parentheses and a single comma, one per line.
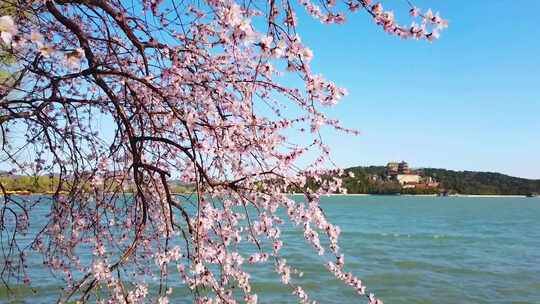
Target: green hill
(462,182)
(470,182)
(361,182)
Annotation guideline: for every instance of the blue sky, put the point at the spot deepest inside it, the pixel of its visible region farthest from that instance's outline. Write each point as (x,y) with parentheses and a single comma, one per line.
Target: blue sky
(470,101)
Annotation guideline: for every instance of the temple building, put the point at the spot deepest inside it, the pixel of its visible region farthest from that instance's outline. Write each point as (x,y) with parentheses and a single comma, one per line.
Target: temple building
(403,168)
(392,168)
(395,168)
(402,173)
(408,178)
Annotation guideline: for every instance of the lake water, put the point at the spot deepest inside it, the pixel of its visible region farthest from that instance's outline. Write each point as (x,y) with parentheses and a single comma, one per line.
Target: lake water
(406,250)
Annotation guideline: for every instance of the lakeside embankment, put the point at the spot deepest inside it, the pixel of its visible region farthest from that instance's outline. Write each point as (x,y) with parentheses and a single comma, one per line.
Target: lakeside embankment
(28,193)
(422,195)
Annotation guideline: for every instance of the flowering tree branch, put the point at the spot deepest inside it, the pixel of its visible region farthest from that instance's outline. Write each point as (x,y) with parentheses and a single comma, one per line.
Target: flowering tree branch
(117,98)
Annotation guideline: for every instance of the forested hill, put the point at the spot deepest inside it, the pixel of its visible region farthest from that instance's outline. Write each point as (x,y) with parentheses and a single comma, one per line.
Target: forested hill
(462,182)
(361,182)
(470,182)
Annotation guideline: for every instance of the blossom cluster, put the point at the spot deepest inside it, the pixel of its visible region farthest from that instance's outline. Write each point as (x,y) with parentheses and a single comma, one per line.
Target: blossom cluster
(430,26)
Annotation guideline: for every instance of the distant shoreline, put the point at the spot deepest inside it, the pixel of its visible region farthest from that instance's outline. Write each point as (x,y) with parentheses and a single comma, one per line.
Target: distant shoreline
(24,193)
(425,195)
(489,195)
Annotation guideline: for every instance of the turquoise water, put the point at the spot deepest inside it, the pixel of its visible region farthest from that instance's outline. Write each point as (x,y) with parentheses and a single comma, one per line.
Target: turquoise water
(406,250)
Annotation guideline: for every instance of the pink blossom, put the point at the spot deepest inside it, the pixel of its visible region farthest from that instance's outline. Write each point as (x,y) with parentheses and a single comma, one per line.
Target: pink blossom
(101,271)
(7,29)
(234,15)
(266,42)
(377,8)
(163,300)
(306,54)
(36,38)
